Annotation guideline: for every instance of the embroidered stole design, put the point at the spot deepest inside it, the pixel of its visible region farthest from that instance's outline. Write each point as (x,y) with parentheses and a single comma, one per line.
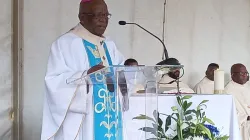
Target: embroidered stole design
(107,122)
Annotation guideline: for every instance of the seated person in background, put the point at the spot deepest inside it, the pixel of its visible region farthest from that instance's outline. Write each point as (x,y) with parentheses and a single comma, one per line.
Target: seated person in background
(131,62)
(168,82)
(206,85)
(132,80)
(237,88)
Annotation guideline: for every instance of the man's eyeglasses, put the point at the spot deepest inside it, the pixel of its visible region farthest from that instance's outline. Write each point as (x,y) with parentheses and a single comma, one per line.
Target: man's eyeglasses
(242,73)
(98,16)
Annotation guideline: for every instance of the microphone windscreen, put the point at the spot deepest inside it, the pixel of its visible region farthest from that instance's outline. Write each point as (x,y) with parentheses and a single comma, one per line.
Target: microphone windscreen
(169,61)
(122,22)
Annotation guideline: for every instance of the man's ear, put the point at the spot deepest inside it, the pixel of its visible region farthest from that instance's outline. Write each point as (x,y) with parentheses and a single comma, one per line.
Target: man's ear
(79,17)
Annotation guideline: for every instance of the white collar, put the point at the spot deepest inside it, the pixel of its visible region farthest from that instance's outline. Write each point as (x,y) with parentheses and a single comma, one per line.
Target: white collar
(208,80)
(237,85)
(83,33)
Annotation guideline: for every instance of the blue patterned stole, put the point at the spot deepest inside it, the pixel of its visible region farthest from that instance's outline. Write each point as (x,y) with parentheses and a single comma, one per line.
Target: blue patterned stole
(107,122)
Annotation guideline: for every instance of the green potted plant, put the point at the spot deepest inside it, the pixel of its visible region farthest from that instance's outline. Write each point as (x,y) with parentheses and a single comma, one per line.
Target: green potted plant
(191,124)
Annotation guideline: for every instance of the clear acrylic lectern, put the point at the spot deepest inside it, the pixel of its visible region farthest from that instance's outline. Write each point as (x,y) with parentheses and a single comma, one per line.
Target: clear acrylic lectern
(118,84)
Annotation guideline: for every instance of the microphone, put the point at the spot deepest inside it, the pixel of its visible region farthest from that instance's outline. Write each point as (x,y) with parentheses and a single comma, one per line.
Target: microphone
(164,47)
(122,22)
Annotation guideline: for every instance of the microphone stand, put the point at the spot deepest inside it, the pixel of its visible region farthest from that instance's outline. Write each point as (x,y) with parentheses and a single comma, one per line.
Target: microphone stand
(164,47)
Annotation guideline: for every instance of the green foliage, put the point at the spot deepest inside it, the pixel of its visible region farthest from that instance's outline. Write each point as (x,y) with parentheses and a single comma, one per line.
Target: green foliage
(189,122)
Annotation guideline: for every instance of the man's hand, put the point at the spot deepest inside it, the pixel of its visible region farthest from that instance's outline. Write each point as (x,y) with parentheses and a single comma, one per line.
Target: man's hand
(95,68)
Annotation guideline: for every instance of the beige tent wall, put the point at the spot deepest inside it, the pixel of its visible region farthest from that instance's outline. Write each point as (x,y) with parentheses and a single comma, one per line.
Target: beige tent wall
(203,31)
(5,70)
(150,15)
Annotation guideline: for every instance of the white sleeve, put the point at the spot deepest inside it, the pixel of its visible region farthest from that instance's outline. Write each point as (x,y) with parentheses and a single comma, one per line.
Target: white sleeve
(242,115)
(118,57)
(58,93)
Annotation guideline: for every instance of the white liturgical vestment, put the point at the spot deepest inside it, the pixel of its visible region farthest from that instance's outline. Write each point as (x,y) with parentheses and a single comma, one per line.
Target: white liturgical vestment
(248,84)
(171,88)
(205,86)
(241,96)
(68,58)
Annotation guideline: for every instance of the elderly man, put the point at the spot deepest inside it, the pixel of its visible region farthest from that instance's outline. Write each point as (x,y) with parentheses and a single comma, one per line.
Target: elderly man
(168,82)
(206,85)
(83,112)
(237,87)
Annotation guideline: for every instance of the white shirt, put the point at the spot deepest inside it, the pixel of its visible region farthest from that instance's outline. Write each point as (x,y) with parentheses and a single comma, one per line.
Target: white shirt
(172,88)
(205,86)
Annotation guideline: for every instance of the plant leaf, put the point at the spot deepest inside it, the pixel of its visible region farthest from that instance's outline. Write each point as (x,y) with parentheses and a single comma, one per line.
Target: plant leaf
(190,111)
(189,118)
(160,122)
(198,112)
(198,108)
(204,101)
(224,138)
(164,114)
(178,100)
(205,130)
(184,106)
(186,97)
(174,119)
(155,125)
(205,106)
(174,108)
(143,117)
(167,123)
(209,121)
(148,129)
(155,113)
(203,114)
(152,139)
(155,129)
(189,104)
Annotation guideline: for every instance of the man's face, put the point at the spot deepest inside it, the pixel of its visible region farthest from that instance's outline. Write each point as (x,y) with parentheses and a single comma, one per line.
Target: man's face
(240,75)
(96,21)
(175,74)
(210,72)
(133,64)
